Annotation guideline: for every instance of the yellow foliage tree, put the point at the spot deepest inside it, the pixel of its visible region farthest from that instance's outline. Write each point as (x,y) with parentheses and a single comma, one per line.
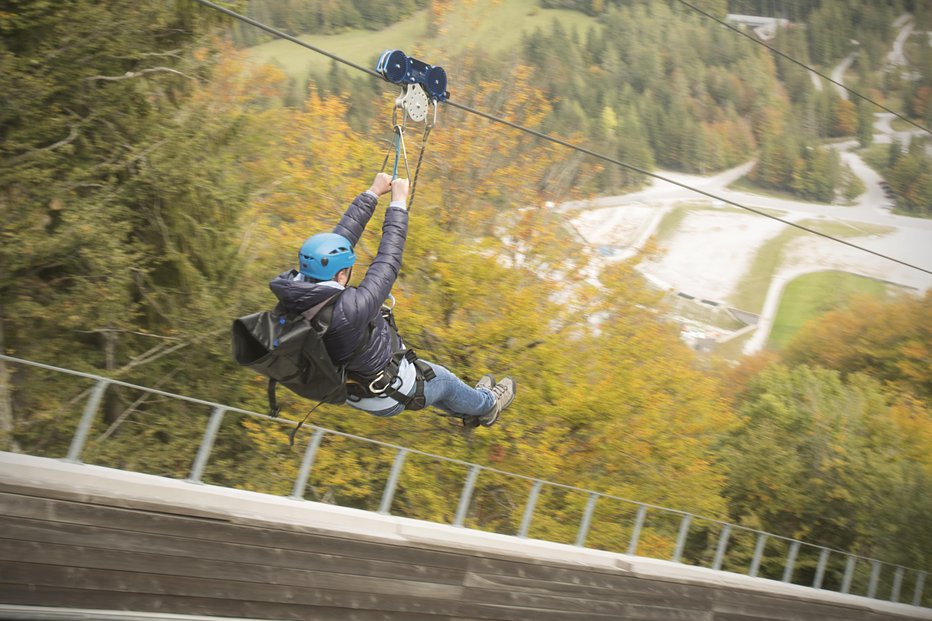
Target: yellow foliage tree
(493,281)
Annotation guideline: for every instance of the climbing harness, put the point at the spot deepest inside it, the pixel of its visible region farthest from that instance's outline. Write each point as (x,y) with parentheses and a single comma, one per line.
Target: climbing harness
(422,86)
(387,381)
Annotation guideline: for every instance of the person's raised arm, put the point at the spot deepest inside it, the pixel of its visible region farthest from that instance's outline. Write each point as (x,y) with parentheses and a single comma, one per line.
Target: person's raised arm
(357,215)
(385,267)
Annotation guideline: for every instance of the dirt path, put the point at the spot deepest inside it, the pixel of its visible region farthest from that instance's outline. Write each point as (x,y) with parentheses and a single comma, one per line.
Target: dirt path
(838,74)
(896,56)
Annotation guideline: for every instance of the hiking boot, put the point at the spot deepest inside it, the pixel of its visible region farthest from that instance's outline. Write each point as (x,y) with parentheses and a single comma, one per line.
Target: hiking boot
(504,392)
(486,381)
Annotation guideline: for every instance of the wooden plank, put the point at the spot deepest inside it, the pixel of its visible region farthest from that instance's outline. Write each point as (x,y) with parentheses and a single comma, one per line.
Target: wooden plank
(434,558)
(622,606)
(150,563)
(538,598)
(353,593)
(592,582)
(181,545)
(782,607)
(269,535)
(299,538)
(779,609)
(775,615)
(237,599)
(139,602)
(87,538)
(182,548)
(84,497)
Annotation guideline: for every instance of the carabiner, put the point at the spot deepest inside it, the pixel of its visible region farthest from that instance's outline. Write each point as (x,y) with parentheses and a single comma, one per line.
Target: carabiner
(372,387)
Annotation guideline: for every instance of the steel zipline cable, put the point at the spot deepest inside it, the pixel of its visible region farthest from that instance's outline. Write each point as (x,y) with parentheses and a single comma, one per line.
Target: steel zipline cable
(563,143)
(802,64)
(643,171)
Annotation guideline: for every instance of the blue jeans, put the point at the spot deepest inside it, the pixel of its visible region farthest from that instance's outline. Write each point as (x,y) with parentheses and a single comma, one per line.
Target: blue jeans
(450,394)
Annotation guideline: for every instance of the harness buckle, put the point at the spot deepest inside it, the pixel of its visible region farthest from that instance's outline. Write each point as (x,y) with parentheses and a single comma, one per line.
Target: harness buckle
(378,378)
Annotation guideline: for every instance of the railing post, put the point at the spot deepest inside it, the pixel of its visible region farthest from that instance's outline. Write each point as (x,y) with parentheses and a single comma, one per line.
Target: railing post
(849,574)
(681,537)
(462,510)
(586,519)
(790,562)
(389,493)
(310,453)
(636,531)
(203,451)
(917,592)
(529,509)
(820,569)
(872,583)
(897,585)
(87,420)
(758,554)
(722,546)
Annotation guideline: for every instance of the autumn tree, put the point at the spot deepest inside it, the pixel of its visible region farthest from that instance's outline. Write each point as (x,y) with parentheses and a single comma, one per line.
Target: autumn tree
(890,341)
(845,118)
(835,440)
(823,459)
(123,184)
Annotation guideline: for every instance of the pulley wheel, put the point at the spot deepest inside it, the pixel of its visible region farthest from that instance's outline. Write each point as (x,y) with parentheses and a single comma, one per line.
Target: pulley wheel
(393,65)
(436,83)
(415,102)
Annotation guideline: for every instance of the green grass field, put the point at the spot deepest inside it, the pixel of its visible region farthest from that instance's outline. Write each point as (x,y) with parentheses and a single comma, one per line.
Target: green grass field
(743,184)
(750,293)
(811,295)
(492,25)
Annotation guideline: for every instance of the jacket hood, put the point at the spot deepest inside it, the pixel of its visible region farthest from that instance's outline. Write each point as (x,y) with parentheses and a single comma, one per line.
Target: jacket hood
(296,296)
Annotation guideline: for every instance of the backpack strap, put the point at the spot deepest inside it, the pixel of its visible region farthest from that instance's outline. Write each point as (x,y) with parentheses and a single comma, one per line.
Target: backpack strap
(274,408)
(294,431)
(315,310)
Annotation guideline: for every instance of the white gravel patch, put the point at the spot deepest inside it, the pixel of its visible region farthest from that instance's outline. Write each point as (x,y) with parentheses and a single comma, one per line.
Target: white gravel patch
(619,227)
(710,252)
(813,254)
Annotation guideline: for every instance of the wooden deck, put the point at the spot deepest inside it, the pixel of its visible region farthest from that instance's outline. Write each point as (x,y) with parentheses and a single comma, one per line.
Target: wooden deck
(75,549)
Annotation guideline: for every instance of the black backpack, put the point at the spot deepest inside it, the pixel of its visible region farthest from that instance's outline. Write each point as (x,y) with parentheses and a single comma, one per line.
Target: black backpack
(289,350)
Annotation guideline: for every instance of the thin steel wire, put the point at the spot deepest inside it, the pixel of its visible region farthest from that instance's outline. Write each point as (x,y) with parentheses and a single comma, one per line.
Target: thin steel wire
(566,144)
(802,64)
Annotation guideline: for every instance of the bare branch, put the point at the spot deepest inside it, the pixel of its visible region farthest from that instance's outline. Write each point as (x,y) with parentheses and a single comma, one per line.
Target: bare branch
(135,74)
(145,359)
(171,53)
(120,331)
(132,407)
(72,135)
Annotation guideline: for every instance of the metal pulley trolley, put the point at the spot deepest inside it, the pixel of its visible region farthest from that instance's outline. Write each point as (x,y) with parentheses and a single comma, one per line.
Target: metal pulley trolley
(422,86)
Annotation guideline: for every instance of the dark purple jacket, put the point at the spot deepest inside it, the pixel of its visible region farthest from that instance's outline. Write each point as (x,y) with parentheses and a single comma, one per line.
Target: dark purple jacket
(356,307)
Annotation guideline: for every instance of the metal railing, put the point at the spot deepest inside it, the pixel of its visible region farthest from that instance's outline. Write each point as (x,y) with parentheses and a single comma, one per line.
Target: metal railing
(715,554)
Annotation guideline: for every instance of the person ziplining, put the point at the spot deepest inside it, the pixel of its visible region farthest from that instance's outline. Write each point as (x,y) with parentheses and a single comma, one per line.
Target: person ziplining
(338,343)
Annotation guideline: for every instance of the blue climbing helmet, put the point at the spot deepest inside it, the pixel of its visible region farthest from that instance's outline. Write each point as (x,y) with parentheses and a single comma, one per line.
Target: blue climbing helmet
(325,254)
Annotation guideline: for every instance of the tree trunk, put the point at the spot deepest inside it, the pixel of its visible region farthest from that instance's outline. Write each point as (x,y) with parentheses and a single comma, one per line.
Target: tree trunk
(7,440)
